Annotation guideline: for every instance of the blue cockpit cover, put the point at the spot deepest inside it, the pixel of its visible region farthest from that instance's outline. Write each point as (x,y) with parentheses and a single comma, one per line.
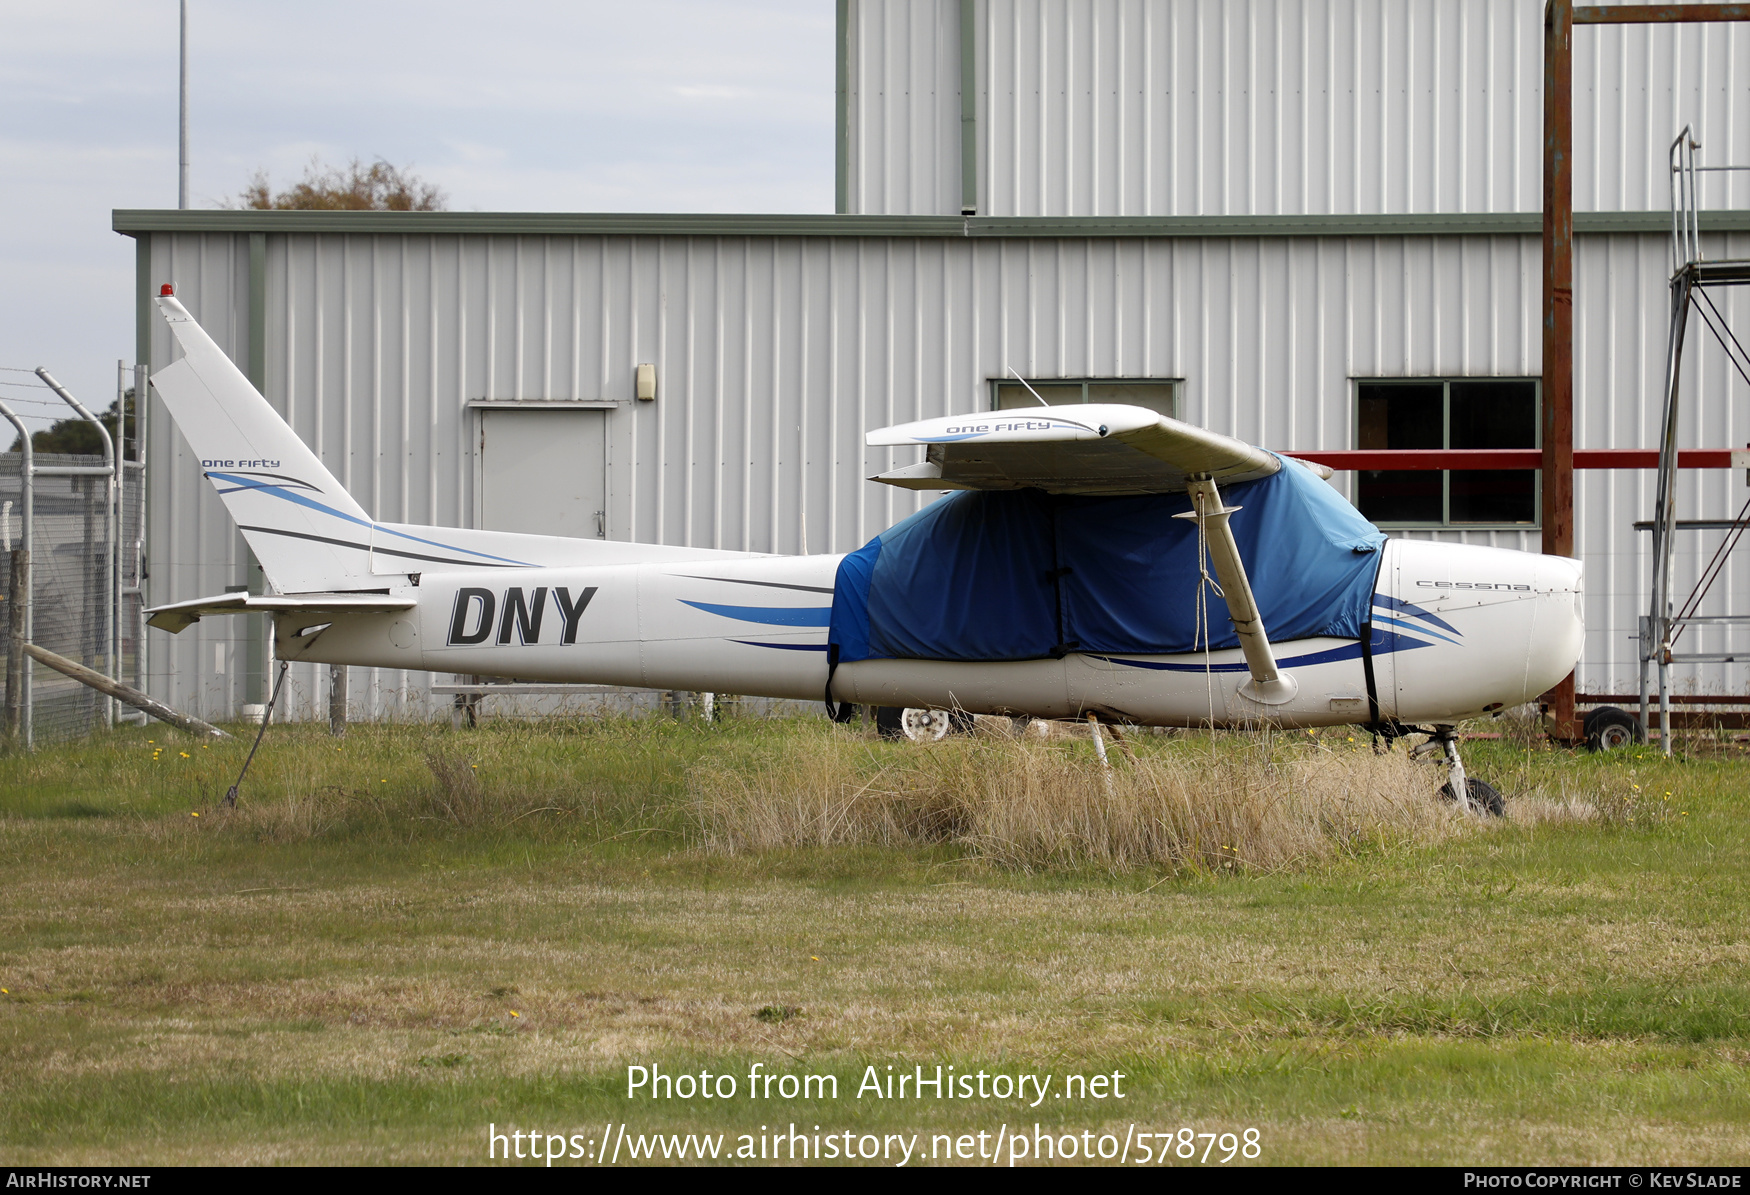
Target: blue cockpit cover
(1021,574)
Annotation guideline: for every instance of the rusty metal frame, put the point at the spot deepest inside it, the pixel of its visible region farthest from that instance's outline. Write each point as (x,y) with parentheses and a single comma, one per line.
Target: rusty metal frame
(1560,17)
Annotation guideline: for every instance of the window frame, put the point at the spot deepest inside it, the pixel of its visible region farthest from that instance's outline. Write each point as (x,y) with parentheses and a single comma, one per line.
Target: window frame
(1175,384)
(1445,381)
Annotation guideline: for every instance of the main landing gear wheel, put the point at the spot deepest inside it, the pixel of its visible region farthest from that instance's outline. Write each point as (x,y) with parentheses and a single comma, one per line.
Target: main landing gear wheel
(932,726)
(920,725)
(924,726)
(1608,728)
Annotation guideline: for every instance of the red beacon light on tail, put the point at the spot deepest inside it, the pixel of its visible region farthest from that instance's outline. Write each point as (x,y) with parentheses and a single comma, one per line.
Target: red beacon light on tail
(166,289)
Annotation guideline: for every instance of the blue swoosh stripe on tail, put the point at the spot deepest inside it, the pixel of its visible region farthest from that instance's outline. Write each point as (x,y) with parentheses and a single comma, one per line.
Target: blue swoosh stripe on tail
(278,491)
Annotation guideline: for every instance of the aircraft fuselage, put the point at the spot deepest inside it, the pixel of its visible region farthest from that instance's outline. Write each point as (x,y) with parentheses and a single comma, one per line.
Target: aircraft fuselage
(1457,630)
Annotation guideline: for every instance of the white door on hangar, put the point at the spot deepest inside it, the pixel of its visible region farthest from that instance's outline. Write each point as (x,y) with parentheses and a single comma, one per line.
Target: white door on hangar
(544,471)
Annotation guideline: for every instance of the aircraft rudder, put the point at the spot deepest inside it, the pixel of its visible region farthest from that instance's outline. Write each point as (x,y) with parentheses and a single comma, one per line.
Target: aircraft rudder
(303,526)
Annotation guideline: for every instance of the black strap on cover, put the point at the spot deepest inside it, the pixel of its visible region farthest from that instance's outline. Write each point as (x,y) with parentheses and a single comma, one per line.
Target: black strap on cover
(840,712)
(1367,671)
(1373,722)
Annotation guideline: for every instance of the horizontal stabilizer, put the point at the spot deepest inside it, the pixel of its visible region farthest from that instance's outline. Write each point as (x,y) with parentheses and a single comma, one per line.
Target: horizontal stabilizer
(178,616)
(1095,448)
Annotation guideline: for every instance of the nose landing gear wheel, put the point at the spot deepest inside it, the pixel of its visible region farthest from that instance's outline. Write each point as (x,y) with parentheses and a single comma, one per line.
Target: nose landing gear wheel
(1479,795)
(1483,796)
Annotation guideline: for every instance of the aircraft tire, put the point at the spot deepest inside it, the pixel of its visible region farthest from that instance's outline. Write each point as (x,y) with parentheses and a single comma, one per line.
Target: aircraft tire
(887,721)
(1608,728)
(925,726)
(1484,795)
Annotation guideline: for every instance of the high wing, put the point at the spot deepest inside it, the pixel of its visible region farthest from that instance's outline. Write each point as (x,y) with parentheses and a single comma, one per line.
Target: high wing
(1086,449)
(1107,449)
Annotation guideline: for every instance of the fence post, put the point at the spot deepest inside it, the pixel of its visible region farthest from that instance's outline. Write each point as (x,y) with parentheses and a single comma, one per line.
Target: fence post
(142,410)
(18,584)
(23,616)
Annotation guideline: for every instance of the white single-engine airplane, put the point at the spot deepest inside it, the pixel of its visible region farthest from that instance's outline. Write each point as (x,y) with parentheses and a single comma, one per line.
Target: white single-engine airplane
(1067,580)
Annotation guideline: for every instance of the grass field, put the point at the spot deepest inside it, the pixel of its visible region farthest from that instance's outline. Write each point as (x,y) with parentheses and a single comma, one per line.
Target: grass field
(407,935)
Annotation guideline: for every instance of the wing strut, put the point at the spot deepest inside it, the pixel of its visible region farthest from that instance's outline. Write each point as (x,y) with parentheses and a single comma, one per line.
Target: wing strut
(1269,684)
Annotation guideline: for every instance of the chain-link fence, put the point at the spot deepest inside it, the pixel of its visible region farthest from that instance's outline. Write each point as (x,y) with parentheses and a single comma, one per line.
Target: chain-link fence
(83,589)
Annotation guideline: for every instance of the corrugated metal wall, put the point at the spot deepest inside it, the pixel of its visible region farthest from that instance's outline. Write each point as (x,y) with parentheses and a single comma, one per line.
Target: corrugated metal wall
(775,354)
(906,108)
(1243,107)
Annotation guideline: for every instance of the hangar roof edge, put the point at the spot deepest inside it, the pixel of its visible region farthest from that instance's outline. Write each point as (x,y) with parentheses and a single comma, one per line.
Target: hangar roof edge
(133,221)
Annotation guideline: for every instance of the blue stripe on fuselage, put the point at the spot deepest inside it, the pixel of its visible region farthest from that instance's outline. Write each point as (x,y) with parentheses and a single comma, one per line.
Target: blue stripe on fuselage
(782,646)
(777,616)
(1384,643)
(1379,619)
(1414,611)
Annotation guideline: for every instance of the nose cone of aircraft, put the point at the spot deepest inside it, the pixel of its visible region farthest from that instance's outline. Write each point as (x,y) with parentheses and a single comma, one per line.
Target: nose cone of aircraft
(1558,630)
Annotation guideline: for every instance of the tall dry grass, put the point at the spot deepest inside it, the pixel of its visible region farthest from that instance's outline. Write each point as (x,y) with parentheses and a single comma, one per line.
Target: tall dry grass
(1257,802)
(1237,803)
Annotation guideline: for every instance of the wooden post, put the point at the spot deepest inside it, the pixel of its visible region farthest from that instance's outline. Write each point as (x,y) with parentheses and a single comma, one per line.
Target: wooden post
(1100,751)
(1557,514)
(337,700)
(123,693)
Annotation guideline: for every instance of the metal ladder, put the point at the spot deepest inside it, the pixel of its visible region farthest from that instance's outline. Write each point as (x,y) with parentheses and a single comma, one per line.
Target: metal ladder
(1692,275)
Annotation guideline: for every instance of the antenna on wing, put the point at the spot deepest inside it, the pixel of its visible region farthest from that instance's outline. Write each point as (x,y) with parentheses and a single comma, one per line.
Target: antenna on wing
(1024,382)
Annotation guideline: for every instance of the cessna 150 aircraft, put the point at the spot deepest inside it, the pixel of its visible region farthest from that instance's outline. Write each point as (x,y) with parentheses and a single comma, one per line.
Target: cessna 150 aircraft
(1067,577)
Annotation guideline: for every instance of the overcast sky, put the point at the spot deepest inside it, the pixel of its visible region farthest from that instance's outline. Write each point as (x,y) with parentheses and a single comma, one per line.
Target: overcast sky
(523,105)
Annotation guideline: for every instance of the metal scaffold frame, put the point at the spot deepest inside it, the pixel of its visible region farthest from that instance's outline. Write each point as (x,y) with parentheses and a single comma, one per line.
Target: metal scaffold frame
(1692,276)
(1559,19)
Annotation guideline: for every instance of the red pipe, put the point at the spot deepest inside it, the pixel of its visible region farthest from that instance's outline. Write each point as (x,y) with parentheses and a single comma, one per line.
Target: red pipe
(1509,458)
(1658,14)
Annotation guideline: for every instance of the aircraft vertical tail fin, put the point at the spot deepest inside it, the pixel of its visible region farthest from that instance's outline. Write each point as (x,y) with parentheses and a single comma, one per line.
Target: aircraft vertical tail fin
(305,529)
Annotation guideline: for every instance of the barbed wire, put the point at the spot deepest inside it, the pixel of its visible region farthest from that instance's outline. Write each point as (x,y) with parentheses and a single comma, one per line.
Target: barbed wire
(13,399)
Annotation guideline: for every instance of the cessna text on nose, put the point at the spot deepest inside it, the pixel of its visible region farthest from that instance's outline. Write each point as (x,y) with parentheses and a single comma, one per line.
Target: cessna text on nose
(478,612)
(1505,586)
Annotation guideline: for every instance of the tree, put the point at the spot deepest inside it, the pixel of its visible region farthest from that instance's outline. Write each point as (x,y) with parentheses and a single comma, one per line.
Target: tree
(379,187)
(75,436)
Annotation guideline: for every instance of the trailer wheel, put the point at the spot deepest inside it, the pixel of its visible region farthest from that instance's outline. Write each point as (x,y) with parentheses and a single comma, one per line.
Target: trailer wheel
(1608,728)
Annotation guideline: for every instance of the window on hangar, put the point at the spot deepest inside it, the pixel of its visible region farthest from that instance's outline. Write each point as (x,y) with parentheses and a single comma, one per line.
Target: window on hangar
(1160,395)
(1447,413)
